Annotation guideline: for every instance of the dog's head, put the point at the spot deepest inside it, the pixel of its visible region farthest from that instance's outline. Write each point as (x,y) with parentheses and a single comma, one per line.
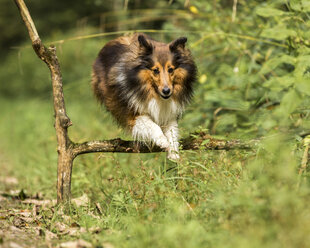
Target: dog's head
(169,68)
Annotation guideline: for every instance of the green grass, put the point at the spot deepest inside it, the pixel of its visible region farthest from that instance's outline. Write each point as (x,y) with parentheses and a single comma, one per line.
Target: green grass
(212,199)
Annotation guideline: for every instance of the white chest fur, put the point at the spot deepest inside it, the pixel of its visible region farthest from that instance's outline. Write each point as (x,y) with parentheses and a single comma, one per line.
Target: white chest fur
(163,111)
(157,123)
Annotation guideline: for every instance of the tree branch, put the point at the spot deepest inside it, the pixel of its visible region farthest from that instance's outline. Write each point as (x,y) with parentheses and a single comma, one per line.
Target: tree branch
(33,34)
(195,141)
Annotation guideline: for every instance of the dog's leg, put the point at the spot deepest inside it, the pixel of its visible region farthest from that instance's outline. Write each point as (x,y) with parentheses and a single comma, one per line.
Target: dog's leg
(171,131)
(144,129)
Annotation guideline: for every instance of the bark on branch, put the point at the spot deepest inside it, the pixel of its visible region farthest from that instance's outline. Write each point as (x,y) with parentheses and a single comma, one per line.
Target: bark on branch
(195,141)
(67,150)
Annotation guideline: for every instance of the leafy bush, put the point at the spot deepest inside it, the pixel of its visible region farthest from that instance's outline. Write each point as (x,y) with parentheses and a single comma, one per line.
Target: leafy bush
(254,71)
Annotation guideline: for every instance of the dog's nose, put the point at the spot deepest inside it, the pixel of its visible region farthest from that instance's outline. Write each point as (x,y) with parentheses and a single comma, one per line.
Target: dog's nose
(166,91)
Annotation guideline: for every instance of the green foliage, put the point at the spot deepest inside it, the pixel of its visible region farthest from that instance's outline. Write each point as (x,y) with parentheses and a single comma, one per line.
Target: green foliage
(253,82)
(256,68)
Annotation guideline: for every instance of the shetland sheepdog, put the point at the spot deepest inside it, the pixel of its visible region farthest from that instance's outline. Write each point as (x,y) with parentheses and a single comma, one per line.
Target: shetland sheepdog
(146,85)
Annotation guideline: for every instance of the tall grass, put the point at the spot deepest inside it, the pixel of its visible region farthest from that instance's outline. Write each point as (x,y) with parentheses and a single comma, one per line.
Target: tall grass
(213,198)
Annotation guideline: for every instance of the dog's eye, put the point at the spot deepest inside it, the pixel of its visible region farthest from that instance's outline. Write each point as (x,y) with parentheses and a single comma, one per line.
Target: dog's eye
(170,69)
(156,71)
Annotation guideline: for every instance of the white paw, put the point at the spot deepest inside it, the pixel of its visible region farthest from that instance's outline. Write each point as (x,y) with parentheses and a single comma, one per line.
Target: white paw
(173,155)
(162,142)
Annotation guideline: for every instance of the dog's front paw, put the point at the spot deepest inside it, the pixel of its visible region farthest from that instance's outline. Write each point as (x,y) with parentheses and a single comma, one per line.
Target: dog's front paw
(162,142)
(173,155)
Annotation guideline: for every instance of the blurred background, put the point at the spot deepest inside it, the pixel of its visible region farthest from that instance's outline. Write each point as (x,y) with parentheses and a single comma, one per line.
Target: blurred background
(252,56)
(253,59)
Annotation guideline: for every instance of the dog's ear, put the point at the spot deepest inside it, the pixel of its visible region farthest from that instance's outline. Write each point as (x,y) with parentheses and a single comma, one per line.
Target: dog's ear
(177,44)
(145,45)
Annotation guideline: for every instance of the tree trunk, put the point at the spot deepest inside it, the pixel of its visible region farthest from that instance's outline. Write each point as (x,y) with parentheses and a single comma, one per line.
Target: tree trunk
(64,172)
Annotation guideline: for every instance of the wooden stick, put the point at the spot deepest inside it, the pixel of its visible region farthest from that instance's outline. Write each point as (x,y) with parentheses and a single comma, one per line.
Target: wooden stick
(62,121)
(195,141)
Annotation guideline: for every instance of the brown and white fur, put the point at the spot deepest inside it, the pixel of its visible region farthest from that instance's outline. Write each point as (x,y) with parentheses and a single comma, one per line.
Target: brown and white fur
(146,84)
